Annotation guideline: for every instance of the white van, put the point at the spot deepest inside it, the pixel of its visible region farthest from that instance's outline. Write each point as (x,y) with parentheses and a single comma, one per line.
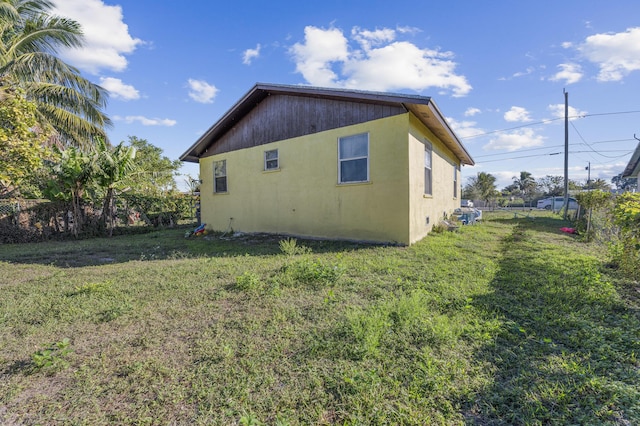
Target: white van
(556,203)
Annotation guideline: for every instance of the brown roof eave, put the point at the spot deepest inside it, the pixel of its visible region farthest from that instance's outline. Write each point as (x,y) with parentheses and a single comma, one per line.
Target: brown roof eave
(634,164)
(430,115)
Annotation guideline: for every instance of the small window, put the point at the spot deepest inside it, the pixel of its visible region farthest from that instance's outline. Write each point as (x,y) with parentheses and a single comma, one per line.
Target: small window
(428,150)
(455,181)
(353,158)
(220,176)
(271,160)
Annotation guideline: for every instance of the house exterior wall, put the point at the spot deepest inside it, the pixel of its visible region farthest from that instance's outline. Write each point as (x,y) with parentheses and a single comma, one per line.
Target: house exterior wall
(428,210)
(303,196)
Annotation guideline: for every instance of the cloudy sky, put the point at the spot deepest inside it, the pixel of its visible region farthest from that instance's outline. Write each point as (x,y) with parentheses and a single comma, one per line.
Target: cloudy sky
(497,69)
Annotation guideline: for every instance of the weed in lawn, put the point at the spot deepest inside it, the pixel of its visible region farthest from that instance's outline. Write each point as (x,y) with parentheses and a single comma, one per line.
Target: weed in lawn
(313,272)
(113,312)
(92,288)
(53,358)
(249,419)
(290,247)
(249,282)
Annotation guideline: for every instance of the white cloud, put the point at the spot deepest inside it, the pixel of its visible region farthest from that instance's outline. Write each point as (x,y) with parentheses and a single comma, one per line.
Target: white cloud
(107,38)
(250,54)
(465,129)
(379,62)
(368,38)
(616,54)
(470,112)
(118,89)
(517,114)
(570,73)
(201,91)
(146,121)
(315,57)
(557,111)
(528,71)
(521,138)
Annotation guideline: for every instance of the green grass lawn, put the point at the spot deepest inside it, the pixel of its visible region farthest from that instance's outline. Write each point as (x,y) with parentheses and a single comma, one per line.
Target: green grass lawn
(506,322)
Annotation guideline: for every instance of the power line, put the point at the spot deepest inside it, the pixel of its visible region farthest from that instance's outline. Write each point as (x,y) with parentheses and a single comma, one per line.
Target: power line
(549,121)
(512,128)
(549,147)
(556,153)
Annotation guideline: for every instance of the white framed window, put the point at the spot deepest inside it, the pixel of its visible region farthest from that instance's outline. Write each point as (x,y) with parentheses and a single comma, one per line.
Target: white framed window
(353,158)
(220,176)
(428,176)
(271,160)
(455,180)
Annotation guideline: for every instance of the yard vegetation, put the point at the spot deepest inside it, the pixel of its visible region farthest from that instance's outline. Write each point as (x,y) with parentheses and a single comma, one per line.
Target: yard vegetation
(507,322)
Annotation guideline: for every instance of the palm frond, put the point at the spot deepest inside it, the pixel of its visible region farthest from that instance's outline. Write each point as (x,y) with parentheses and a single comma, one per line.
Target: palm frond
(47,33)
(70,99)
(30,38)
(73,129)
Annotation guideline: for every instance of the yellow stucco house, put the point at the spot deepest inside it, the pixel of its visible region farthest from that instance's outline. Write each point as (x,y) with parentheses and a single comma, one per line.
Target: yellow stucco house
(329,163)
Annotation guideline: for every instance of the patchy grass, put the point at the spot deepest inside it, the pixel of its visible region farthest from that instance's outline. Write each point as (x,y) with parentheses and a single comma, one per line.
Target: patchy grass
(506,322)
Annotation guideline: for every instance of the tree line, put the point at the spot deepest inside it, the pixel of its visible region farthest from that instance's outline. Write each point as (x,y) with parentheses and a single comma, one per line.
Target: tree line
(528,189)
(53,141)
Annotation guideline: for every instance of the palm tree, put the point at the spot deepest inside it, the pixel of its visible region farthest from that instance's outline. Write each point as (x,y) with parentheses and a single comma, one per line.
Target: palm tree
(487,186)
(482,186)
(30,38)
(526,184)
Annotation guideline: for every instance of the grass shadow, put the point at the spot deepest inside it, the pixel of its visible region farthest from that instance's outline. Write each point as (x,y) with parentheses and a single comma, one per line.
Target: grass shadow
(158,245)
(567,349)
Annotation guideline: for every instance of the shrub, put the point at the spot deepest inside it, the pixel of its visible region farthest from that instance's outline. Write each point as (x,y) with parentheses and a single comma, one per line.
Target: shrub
(626,215)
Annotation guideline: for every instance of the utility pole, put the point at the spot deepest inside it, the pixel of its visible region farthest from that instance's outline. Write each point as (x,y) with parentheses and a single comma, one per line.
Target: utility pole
(588,176)
(566,153)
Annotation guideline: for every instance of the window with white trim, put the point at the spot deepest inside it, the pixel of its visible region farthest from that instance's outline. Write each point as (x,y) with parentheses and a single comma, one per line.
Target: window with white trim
(455,180)
(428,153)
(220,176)
(271,161)
(353,158)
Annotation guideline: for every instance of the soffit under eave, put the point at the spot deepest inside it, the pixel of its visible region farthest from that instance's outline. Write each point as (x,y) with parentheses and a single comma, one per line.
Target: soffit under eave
(430,116)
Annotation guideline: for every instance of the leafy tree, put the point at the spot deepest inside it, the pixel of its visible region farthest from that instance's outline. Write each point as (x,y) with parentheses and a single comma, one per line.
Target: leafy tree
(154,172)
(21,141)
(30,37)
(551,186)
(624,184)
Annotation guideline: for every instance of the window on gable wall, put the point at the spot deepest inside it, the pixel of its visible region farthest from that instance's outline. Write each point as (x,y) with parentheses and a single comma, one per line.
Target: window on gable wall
(428,153)
(271,161)
(220,176)
(353,158)
(455,180)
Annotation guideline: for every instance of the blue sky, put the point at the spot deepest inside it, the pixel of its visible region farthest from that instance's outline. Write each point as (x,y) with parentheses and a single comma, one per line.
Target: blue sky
(497,69)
